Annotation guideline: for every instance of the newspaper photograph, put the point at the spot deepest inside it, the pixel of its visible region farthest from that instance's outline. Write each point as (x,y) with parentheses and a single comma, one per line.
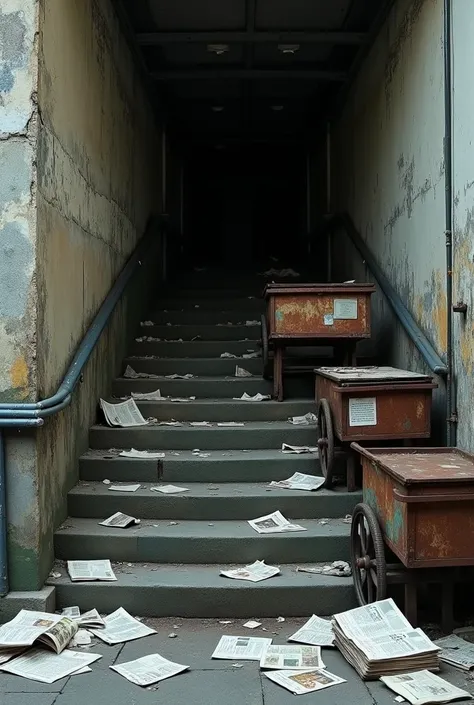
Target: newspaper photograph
(169,489)
(255,572)
(119,521)
(121,626)
(316,631)
(45,667)
(274,523)
(302,682)
(71,612)
(287,448)
(26,627)
(242,648)
(456,651)
(148,669)
(90,570)
(148,396)
(59,635)
(299,481)
(424,687)
(291,656)
(124,414)
(142,454)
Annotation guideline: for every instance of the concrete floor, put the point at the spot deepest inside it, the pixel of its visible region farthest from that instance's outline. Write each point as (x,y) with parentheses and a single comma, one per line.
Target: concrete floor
(208,682)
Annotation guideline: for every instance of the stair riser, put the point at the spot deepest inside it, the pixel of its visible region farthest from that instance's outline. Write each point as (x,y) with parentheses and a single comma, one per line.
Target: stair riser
(188,438)
(128,547)
(193,349)
(233,411)
(201,316)
(211,508)
(210,367)
(224,388)
(230,600)
(204,332)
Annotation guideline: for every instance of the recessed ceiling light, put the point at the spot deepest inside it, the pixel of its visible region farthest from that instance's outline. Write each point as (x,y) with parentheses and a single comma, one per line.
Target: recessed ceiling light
(218,49)
(217,108)
(288,48)
(277,108)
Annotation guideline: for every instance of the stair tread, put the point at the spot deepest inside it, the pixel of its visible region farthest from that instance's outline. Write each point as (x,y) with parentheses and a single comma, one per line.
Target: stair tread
(253,426)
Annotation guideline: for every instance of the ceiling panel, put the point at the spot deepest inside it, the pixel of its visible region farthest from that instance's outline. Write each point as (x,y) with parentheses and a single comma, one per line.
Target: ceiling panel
(183,15)
(269,55)
(301,14)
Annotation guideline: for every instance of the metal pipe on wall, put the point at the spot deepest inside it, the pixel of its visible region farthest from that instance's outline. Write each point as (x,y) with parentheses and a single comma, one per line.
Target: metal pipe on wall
(3,522)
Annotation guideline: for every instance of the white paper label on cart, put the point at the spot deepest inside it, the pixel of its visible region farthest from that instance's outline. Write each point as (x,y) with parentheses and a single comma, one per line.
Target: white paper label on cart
(328,319)
(363,411)
(345,309)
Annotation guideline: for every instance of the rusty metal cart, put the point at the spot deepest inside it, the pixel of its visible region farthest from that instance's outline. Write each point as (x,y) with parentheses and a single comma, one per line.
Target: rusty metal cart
(335,315)
(369,404)
(420,504)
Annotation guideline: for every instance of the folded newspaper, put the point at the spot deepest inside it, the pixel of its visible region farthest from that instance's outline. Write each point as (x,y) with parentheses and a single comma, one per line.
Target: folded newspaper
(316,631)
(424,687)
(42,666)
(378,640)
(292,656)
(148,669)
(169,489)
(299,481)
(119,521)
(85,571)
(121,626)
(148,396)
(302,682)
(297,450)
(242,648)
(52,630)
(274,523)
(254,573)
(124,414)
(303,420)
(87,619)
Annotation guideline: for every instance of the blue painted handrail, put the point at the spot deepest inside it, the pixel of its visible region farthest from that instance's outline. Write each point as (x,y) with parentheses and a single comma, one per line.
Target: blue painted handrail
(411,327)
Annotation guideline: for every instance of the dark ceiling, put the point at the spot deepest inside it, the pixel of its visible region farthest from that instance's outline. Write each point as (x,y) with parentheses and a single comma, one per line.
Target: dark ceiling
(251,69)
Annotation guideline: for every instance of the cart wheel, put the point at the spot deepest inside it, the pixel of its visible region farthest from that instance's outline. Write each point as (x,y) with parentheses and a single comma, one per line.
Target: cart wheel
(326,441)
(265,355)
(369,569)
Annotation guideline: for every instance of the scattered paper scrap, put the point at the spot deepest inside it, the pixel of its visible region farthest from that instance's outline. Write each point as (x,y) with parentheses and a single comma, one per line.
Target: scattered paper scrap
(252,354)
(148,396)
(169,489)
(251,624)
(231,423)
(46,667)
(147,323)
(88,619)
(124,414)
(316,631)
(81,638)
(424,687)
(148,669)
(241,372)
(200,423)
(241,647)
(119,521)
(124,488)
(142,454)
(85,571)
(302,682)
(175,376)
(256,397)
(226,621)
(120,626)
(182,400)
(340,569)
(254,573)
(170,423)
(303,420)
(252,323)
(292,657)
(287,448)
(281,619)
(299,481)
(228,355)
(274,523)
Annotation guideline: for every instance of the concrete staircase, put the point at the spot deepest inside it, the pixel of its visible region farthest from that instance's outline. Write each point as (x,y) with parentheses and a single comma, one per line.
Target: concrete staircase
(169,565)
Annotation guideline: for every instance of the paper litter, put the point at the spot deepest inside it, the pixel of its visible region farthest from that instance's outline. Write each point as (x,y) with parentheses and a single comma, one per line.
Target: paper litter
(200,423)
(175,376)
(240,372)
(251,354)
(251,624)
(124,488)
(292,657)
(256,397)
(143,454)
(231,423)
(86,571)
(302,682)
(46,667)
(125,414)
(149,669)
(316,631)
(255,572)
(169,489)
(340,569)
(119,521)
(287,448)
(274,523)
(182,399)
(286,272)
(424,687)
(245,648)
(252,323)
(228,355)
(303,420)
(147,323)
(120,626)
(456,651)
(299,481)
(148,396)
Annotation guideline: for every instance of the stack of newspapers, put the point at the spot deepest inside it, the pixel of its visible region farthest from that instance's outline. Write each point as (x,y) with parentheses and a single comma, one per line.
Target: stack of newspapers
(377,641)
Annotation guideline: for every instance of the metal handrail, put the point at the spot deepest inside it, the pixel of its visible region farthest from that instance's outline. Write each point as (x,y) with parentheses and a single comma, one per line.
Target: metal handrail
(411,327)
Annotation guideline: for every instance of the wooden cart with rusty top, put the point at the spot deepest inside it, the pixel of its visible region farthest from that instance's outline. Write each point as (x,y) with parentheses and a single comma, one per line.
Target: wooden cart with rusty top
(419,503)
(336,315)
(369,404)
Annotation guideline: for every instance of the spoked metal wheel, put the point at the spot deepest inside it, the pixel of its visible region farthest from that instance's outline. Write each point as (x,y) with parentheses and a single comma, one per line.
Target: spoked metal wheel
(326,441)
(265,351)
(369,569)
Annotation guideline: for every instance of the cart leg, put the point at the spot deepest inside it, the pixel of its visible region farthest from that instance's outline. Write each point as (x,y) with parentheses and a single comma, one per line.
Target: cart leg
(447,601)
(411,603)
(278,373)
(351,465)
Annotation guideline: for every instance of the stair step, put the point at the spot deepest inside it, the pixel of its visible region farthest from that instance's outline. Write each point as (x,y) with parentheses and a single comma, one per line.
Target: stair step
(199,591)
(204,332)
(253,434)
(261,465)
(195,348)
(201,542)
(218,387)
(212,302)
(198,316)
(200,367)
(206,502)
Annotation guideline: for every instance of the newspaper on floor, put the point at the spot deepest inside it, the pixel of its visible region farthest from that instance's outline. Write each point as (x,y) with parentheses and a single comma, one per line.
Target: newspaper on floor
(287,448)
(256,397)
(252,624)
(88,619)
(302,682)
(124,488)
(339,569)
(228,355)
(148,669)
(142,454)
(241,648)
(45,667)
(299,481)
(52,630)
(175,376)
(119,521)
(292,656)
(456,651)
(274,523)
(303,420)
(424,687)
(241,372)
(316,631)
(148,396)
(377,639)
(85,571)
(121,626)
(255,572)
(169,489)
(125,414)
(8,654)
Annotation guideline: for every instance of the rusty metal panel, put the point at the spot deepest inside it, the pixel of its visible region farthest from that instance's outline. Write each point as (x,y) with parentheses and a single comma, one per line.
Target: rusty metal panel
(325,389)
(425,465)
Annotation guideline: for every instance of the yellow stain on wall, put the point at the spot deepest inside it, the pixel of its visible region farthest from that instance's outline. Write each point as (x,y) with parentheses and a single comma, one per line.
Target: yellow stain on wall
(19,376)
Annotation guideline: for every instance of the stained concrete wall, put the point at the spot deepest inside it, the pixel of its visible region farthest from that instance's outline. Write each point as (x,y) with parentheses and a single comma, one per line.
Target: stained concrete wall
(388,173)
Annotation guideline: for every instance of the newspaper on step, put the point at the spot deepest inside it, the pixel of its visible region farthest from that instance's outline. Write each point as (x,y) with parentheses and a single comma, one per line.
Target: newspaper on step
(88,619)
(119,521)
(176,376)
(125,414)
(228,355)
(303,420)
(424,687)
(316,631)
(274,523)
(456,651)
(169,489)
(302,682)
(299,481)
(28,627)
(292,657)
(339,569)
(130,373)
(148,396)
(241,648)
(148,669)
(255,572)
(85,571)
(124,488)
(142,454)
(229,424)
(45,667)
(251,354)
(377,639)
(121,626)
(241,372)
(256,397)
(287,448)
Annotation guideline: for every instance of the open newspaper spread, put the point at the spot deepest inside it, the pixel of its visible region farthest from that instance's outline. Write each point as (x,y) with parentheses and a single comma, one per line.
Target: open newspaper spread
(242,648)
(456,651)
(85,571)
(378,640)
(274,523)
(316,631)
(302,682)
(119,521)
(124,414)
(53,630)
(254,573)
(121,626)
(148,669)
(292,657)
(45,667)
(424,687)
(299,481)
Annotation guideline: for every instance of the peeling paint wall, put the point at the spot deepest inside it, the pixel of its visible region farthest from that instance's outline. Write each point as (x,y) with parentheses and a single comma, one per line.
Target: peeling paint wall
(388,167)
